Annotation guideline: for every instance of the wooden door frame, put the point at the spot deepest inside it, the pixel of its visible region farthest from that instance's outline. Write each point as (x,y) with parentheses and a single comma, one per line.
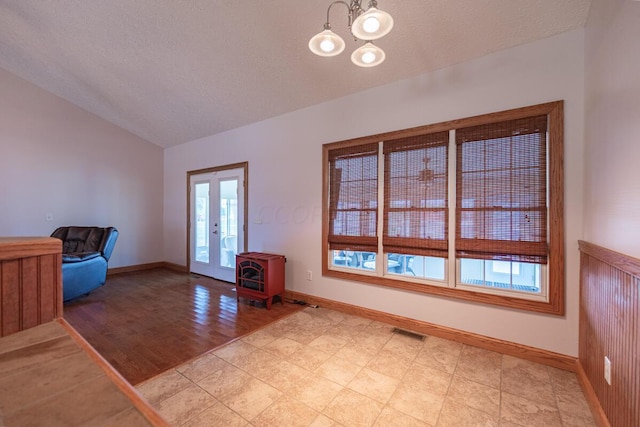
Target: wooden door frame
(241,165)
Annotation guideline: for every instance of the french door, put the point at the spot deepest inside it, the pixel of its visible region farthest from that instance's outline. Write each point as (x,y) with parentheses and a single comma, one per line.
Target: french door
(216,222)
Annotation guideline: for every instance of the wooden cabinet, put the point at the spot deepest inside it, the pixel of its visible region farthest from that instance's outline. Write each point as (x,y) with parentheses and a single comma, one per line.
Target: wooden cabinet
(260,276)
(30,282)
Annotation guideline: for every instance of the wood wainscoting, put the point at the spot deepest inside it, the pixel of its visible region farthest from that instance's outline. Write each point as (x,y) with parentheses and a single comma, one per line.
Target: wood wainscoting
(30,282)
(610,327)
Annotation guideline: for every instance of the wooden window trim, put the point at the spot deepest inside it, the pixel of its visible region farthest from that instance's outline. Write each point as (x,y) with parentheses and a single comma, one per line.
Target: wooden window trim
(556,269)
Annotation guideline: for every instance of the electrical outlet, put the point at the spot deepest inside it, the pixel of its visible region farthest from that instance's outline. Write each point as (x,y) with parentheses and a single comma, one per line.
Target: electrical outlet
(309,275)
(607,370)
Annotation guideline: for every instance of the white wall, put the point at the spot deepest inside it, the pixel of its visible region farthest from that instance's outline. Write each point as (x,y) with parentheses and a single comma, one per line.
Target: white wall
(612,120)
(285,171)
(58,159)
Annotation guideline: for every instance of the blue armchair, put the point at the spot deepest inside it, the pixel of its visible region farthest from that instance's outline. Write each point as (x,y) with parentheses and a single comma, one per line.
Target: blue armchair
(85,254)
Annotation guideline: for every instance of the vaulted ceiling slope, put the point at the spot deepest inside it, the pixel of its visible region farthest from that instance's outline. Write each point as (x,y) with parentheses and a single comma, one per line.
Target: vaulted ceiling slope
(173,71)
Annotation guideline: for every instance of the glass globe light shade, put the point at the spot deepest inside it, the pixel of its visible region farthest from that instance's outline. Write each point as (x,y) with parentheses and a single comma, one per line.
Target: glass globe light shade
(368,55)
(326,43)
(372,24)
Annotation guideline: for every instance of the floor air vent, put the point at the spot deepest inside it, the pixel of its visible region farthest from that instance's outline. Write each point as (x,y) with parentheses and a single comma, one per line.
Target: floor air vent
(408,334)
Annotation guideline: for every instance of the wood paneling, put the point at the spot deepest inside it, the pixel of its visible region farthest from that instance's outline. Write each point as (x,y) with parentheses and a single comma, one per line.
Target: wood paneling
(609,327)
(30,282)
(590,394)
(24,247)
(30,287)
(10,297)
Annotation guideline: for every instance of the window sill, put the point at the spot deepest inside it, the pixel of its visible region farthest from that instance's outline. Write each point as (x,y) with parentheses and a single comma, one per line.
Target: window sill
(508,301)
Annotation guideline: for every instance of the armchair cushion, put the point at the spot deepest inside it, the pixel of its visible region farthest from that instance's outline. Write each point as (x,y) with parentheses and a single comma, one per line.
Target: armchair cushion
(80,256)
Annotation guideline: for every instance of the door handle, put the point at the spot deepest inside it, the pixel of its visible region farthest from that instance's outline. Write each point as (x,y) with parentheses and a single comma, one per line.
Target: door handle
(215,231)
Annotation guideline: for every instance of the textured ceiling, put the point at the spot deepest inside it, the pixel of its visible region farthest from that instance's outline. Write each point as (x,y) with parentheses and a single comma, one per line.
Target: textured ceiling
(171,71)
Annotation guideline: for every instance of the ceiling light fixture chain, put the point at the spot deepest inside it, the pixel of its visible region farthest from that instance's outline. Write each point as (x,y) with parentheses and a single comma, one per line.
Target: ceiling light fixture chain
(367,25)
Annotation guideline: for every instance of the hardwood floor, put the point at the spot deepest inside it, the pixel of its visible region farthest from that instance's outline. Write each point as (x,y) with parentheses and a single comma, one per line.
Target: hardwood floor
(144,323)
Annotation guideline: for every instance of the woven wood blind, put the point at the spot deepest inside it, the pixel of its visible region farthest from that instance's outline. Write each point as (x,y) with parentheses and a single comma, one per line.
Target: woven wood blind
(353,198)
(415,195)
(501,191)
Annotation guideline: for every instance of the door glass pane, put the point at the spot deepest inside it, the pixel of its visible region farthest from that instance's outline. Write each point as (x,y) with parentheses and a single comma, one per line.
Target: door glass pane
(202,222)
(228,222)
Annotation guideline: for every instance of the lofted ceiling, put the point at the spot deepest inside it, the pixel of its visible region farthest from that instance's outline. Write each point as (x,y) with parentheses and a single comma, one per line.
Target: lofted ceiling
(171,71)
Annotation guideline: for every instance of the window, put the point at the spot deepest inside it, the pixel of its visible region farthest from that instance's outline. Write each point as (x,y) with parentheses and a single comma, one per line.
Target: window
(469,209)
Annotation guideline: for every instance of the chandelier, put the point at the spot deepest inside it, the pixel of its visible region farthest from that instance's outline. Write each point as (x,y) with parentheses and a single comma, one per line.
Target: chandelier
(368,25)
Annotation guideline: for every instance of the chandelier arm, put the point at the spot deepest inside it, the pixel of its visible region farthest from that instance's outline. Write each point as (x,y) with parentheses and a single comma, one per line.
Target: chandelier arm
(354,7)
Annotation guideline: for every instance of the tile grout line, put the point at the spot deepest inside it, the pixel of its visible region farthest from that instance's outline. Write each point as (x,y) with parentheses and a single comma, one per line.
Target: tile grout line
(198,386)
(360,368)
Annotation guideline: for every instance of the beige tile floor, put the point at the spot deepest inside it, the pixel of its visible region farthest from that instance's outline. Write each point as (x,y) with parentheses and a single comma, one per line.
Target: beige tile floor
(319,367)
